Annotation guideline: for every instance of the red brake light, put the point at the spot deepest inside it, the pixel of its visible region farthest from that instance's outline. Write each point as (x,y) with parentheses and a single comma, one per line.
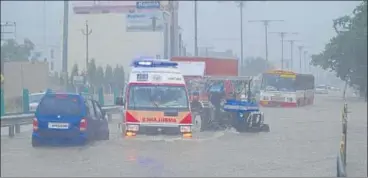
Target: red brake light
(187,119)
(83,125)
(35,124)
(130,118)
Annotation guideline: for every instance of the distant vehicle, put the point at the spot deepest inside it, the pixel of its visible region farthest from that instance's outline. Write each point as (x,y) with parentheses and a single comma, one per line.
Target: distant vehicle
(321,89)
(286,89)
(195,73)
(213,66)
(34,100)
(333,88)
(68,118)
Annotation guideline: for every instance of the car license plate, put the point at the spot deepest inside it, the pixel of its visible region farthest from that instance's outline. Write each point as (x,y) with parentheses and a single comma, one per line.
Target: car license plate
(53,125)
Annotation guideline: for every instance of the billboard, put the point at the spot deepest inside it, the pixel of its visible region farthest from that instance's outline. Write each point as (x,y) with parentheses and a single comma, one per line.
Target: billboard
(145,22)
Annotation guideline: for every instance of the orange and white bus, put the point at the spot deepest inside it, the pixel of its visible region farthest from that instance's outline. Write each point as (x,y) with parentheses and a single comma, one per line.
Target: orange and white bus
(156,100)
(286,89)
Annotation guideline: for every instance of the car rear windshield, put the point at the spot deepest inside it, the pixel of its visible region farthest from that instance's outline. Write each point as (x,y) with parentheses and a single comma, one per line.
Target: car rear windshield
(60,105)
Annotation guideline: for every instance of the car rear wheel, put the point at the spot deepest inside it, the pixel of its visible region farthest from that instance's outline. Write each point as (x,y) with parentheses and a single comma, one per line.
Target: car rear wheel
(105,135)
(35,143)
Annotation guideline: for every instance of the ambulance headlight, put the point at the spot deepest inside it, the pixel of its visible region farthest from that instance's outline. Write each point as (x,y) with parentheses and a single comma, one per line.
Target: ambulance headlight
(133,128)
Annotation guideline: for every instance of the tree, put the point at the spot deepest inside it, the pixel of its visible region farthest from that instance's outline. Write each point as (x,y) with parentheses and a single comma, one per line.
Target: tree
(122,77)
(116,75)
(108,75)
(91,72)
(346,53)
(74,72)
(100,76)
(12,51)
(119,77)
(255,66)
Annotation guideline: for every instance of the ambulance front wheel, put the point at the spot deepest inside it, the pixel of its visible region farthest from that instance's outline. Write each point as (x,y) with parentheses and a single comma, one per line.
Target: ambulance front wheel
(197,123)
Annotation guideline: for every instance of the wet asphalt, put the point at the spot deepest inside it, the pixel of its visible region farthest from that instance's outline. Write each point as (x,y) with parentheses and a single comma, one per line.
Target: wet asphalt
(302,142)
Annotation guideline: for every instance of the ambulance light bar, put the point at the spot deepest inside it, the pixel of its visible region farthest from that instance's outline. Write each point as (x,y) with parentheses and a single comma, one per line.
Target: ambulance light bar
(154,63)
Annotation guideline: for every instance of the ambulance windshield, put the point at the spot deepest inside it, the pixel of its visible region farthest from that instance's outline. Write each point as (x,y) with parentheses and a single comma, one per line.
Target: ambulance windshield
(157,98)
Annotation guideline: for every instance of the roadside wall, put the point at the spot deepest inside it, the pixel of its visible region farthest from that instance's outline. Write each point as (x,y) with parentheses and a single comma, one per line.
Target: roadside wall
(19,75)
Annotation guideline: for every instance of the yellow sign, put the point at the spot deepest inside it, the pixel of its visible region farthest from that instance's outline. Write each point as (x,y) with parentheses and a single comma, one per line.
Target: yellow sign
(283,73)
(287,76)
(2,78)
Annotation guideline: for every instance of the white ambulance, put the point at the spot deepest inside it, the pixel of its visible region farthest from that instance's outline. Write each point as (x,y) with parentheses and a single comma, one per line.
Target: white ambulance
(156,100)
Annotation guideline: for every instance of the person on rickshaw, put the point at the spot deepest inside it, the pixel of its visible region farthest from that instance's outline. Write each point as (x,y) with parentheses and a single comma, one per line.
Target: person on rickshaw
(216,95)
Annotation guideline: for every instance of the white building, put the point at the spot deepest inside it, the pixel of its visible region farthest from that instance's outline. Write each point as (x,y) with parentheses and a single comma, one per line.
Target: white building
(120,32)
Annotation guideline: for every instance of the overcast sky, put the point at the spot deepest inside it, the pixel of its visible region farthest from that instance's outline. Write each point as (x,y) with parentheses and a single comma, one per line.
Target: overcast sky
(218,23)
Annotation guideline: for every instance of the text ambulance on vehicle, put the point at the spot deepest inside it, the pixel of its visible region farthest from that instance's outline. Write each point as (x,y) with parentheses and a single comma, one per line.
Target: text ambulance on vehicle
(156,100)
(286,89)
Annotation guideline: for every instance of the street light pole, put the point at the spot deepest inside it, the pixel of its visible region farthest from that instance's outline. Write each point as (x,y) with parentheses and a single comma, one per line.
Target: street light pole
(241,5)
(65,42)
(266,24)
(195,28)
(282,35)
(87,33)
(300,58)
(291,53)
(305,61)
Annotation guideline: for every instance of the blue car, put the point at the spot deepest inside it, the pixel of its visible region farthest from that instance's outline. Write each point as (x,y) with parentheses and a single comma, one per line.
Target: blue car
(68,118)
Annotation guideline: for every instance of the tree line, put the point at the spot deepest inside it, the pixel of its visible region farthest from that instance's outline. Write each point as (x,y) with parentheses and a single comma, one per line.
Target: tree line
(97,76)
(108,77)
(346,53)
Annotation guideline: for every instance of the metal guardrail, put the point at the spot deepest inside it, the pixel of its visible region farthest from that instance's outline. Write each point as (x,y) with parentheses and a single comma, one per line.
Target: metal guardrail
(342,156)
(14,121)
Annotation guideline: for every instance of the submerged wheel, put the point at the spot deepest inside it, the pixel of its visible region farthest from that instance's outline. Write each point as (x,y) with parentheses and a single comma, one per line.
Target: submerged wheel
(197,123)
(35,143)
(106,136)
(265,128)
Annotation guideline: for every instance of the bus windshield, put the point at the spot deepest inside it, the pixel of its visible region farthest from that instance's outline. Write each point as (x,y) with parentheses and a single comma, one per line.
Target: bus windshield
(277,83)
(157,98)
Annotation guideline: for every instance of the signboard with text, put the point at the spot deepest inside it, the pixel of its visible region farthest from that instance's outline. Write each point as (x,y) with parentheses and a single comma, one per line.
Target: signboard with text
(145,22)
(148,5)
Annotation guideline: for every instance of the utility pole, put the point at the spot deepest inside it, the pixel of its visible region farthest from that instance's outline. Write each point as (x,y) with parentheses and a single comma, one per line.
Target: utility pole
(195,28)
(65,43)
(300,58)
(154,24)
(305,61)
(282,35)
(241,5)
(266,24)
(44,28)
(291,53)
(87,32)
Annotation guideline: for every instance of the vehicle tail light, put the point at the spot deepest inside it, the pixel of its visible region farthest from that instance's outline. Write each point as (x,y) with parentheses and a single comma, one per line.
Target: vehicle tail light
(35,124)
(187,119)
(83,125)
(130,118)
